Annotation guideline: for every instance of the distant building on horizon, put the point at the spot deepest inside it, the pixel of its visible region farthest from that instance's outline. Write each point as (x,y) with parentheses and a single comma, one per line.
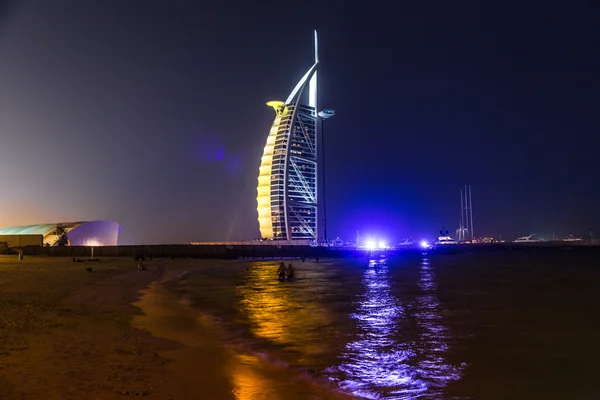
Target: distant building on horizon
(288,196)
(82,233)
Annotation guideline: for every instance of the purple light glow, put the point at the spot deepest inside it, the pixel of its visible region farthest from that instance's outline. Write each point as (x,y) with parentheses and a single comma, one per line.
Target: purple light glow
(432,365)
(209,148)
(376,363)
(379,364)
(233,163)
(95,233)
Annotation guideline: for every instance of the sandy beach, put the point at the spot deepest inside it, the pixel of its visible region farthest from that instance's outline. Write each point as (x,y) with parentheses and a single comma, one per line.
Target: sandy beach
(464,326)
(66,333)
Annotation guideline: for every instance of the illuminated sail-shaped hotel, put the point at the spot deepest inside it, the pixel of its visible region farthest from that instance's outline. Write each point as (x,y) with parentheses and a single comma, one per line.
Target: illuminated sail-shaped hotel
(287,181)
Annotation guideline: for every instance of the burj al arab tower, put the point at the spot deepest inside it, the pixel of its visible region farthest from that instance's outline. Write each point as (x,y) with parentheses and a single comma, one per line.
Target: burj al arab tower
(288,201)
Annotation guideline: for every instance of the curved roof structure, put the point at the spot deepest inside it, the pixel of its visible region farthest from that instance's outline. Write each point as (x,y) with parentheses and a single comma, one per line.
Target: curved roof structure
(42,229)
(287,182)
(81,233)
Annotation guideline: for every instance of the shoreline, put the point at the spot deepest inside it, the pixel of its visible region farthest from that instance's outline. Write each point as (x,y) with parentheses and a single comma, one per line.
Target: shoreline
(115,332)
(205,365)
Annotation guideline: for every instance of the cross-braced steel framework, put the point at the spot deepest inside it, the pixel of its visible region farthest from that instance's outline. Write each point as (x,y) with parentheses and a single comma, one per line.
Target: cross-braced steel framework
(288,178)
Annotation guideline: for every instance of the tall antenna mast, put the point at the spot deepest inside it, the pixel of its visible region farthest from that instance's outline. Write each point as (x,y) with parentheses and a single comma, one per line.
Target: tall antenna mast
(471,211)
(466,211)
(312,84)
(313,99)
(461,229)
(462,218)
(316,47)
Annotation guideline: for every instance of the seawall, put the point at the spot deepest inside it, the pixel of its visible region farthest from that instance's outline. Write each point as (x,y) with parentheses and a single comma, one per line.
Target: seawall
(224,251)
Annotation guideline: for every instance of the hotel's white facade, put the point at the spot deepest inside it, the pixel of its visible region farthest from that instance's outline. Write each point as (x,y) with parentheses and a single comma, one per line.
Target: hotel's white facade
(288,177)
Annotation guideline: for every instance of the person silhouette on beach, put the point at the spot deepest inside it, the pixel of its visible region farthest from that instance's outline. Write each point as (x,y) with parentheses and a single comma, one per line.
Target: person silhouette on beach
(281,271)
(289,272)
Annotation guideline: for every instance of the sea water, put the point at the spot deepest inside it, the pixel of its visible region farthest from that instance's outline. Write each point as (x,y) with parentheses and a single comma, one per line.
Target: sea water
(426,326)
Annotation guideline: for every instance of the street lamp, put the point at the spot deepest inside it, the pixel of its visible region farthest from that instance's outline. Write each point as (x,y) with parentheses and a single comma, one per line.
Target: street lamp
(323,115)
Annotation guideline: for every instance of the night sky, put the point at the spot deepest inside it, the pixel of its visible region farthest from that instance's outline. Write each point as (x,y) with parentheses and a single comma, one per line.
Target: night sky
(152,113)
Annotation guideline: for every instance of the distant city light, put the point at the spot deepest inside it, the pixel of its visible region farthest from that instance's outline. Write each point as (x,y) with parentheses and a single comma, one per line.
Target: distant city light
(371,245)
(382,245)
(424,244)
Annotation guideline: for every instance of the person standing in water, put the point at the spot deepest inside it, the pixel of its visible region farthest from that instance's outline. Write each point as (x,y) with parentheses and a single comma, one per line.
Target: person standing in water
(289,272)
(281,272)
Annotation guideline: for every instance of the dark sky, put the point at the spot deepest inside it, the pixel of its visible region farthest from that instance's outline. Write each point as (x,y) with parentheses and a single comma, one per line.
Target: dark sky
(152,113)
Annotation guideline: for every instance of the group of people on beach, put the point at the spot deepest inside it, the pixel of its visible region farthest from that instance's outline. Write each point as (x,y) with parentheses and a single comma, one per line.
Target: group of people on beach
(285,273)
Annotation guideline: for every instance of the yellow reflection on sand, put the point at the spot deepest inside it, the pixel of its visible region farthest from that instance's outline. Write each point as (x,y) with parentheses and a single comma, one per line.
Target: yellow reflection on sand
(247,383)
(210,366)
(255,378)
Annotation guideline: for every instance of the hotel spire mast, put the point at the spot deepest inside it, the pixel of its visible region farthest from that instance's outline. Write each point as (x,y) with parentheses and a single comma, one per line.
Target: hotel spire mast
(288,200)
(312,87)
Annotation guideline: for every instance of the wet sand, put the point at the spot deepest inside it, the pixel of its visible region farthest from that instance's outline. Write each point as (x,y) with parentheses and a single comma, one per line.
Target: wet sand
(115,332)
(468,326)
(211,363)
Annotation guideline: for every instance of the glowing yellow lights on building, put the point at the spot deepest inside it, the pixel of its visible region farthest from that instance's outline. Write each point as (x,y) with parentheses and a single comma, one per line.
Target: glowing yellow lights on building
(287,179)
(277,105)
(264,177)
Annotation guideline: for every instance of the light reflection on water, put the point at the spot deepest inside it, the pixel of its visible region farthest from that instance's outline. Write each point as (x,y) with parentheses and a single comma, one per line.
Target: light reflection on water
(376,362)
(380,364)
(352,324)
(293,315)
(433,346)
(509,325)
